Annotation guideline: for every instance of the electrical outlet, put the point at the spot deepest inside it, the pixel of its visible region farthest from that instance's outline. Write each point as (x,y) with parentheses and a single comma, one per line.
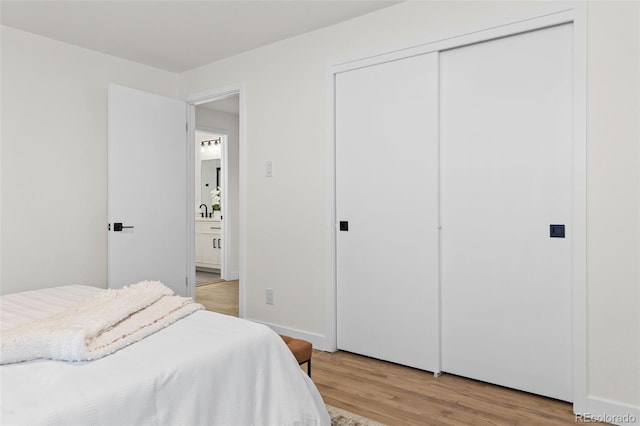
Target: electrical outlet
(269,296)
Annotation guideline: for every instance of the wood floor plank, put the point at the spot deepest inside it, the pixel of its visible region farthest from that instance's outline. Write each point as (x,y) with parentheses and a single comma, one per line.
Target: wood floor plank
(219,297)
(398,395)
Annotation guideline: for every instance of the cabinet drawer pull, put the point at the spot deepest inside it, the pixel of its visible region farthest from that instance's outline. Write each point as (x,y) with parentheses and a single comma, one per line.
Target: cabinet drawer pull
(219,243)
(214,243)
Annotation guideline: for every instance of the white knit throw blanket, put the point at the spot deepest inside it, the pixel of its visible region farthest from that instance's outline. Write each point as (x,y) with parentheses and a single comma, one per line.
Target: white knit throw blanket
(98,325)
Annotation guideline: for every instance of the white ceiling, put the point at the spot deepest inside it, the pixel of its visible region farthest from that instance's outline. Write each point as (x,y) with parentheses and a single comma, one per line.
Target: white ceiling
(178,35)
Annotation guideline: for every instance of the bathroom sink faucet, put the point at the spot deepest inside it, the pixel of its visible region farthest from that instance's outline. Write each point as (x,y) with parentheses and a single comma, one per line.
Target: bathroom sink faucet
(205,214)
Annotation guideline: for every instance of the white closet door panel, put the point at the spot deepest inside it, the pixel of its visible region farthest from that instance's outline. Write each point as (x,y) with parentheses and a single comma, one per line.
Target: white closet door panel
(506,141)
(387,189)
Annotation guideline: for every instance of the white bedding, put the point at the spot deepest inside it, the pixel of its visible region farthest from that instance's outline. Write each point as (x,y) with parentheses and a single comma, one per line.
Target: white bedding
(206,369)
(97,326)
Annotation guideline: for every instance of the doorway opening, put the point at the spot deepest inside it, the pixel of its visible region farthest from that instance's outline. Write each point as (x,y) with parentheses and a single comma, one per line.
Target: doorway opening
(208,195)
(216,196)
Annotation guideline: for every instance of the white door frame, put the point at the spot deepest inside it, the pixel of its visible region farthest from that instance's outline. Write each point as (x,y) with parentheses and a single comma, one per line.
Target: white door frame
(557,15)
(192,101)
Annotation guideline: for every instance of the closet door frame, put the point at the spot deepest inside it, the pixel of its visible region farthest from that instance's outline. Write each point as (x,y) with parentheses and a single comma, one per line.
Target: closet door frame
(575,15)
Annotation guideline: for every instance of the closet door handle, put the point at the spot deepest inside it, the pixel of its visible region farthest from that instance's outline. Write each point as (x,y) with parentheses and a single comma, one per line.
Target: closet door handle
(214,243)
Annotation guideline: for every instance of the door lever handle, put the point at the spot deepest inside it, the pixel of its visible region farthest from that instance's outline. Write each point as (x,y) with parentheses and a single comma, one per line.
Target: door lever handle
(117,227)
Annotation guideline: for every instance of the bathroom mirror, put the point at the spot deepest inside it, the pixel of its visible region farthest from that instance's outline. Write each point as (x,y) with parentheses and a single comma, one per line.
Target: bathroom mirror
(210,179)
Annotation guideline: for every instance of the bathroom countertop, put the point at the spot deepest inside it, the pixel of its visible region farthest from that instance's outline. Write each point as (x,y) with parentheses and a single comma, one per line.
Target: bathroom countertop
(207,219)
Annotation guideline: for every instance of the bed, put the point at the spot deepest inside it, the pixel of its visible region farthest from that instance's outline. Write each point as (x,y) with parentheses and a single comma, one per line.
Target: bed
(204,369)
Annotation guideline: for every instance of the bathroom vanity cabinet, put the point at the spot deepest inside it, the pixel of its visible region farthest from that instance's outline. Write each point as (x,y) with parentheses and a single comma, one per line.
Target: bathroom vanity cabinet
(208,243)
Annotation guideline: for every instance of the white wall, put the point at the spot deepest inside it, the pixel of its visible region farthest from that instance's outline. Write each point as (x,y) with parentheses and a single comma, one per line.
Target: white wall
(288,121)
(613,203)
(54,158)
(53,106)
(229,124)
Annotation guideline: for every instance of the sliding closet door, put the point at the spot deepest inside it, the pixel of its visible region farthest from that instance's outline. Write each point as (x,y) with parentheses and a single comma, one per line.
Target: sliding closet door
(386,202)
(506,141)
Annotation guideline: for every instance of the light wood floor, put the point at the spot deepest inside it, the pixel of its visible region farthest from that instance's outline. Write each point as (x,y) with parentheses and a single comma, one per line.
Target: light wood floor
(398,395)
(219,297)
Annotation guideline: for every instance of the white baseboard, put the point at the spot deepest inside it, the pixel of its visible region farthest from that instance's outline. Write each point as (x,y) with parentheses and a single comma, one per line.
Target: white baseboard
(317,340)
(232,275)
(598,409)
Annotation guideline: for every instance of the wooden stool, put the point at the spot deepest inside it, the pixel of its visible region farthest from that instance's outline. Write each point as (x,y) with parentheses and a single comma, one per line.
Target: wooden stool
(301,349)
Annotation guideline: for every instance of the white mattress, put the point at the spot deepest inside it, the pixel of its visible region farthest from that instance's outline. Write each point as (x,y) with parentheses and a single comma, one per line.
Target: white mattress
(206,369)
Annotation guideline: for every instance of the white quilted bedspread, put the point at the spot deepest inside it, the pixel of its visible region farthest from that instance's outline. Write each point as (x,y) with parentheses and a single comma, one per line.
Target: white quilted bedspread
(206,369)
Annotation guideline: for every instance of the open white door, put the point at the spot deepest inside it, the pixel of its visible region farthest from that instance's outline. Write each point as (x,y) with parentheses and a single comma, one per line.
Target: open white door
(147,189)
